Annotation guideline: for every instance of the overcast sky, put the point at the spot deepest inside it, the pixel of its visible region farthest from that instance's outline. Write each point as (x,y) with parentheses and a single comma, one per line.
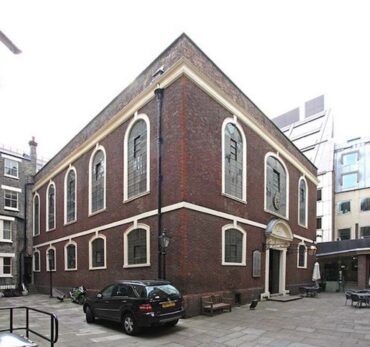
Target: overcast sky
(77,55)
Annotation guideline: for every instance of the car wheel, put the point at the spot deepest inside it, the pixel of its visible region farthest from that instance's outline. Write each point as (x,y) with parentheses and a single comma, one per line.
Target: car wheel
(129,324)
(89,315)
(172,323)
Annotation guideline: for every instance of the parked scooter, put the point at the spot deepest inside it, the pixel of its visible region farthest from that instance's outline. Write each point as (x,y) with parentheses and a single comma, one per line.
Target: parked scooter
(78,295)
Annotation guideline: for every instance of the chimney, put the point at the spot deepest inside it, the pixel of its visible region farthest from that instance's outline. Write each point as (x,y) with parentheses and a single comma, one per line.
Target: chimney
(33,152)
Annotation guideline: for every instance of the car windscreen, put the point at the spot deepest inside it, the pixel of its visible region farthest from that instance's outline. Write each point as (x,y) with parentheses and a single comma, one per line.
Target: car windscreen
(163,291)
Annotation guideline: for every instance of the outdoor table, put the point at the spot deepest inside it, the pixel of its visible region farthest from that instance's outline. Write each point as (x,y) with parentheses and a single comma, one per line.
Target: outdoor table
(309,291)
(362,297)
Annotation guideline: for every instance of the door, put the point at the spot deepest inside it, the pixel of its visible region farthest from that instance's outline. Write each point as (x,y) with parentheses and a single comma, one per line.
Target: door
(274,271)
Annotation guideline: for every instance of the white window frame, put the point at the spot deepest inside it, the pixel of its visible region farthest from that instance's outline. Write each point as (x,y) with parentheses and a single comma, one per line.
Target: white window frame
(99,236)
(17,161)
(33,260)
(305,256)
(277,157)
(125,246)
(71,168)
(12,189)
(137,117)
(305,225)
(2,256)
(2,220)
(96,149)
(55,259)
(47,206)
(235,122)
(66,268)
(244,245)
(33,215)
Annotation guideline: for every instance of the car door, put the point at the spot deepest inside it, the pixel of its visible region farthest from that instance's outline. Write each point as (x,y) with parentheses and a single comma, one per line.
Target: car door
(115,305)
(102,302)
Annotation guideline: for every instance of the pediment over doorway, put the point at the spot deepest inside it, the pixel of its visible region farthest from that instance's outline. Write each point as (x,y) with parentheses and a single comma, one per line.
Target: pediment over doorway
(279,229)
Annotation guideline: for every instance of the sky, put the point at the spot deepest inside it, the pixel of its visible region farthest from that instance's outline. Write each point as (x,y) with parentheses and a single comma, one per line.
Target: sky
(77,55)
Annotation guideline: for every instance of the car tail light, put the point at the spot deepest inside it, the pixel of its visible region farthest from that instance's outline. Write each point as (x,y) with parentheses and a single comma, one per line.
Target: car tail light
(146,308)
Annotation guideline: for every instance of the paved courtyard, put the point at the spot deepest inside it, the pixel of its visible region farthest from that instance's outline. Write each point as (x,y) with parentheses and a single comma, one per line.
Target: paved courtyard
(322,321)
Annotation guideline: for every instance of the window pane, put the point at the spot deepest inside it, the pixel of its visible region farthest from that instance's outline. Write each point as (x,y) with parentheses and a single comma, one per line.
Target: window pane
(51,259)
(319,194)
(233,161)
(11,199)
(98,252)
(71,198)
(7,267)
(350,158)
(365,204)
(51,207)
(71,256)
(344,207)
(137,159)
(36,261)
(276,184)
(7,230)
(233,246)
(137,247)
(302,202)
(36,214)
(365,232)
(344,234)
(318,223)
(11,167)
(97,182)
(349,180)
(302,252)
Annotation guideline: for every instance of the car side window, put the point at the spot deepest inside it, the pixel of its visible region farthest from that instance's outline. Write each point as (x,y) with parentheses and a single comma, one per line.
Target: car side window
(107,292)
(120,290)
(130,292)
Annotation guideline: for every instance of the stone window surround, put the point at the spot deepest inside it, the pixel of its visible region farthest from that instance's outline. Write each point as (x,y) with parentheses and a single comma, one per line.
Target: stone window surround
(125,245)
(66,268)
(305,225)
(95,237)
(51,183)
(71,168)
(244,245)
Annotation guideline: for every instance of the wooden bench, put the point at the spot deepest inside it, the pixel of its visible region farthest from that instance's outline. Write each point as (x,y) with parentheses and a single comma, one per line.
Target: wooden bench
(213,303)
(309,291)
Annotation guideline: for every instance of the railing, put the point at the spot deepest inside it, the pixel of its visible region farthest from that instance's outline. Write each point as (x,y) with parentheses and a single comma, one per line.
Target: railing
(53,323)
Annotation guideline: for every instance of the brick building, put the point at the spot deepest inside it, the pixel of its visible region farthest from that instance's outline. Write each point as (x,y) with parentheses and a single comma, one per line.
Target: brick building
(237,198)
(16,176)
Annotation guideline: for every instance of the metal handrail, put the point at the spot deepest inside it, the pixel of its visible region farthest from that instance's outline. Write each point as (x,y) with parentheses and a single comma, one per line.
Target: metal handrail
(54,325)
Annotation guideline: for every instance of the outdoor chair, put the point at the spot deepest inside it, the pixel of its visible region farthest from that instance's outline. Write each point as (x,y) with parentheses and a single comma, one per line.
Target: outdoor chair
(358,299)
(348,295)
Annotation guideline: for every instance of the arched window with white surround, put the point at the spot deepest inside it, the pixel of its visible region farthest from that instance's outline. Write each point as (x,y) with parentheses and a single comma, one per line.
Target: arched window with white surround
(50,206)
(51,259)
(302,256)
(97,253)
(276,186)
(234,245)
(233,160)
(302,202)
(136,246)
(70,256)
(137,157)
(97,180)
(36,214)
(36,261)
(70,196)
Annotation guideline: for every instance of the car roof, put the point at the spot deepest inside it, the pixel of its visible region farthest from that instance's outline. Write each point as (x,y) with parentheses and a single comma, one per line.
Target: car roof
(144,282)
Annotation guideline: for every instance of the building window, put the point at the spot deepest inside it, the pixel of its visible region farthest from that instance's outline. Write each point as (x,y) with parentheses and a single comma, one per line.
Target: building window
(5,230)
(365,232)
(318,222)
(256,264)
(70,196)
(97,253)
(365,204)
(11,168)
(350,158)
(234,172)
(302,211)
(97,180)
(36,261)
(234,246)
(137,155)
(50,207)
(344,207)
(136,246)
(50,259)
(70,256)
(11,200)
(36,215)
(302,256)
(350,180)
(276,183)
(319,194)
(5,266)
(344,234)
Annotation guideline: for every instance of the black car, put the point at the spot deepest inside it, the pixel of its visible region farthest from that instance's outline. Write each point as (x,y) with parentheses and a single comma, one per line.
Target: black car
(136,304)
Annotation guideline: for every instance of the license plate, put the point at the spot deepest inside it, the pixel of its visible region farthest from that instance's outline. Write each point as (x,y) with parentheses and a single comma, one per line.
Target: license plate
(168,304)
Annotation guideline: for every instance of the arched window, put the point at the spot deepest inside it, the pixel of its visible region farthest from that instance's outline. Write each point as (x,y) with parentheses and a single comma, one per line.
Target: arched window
(136,149)
(97,175)
(97,253)
(50,206)
(276,183)
(136,246)
(302,256)
(234,246)
(36,215)
(234,160)
(70,256)
(50,259)
(70,185)
(36,261)
(302,202)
